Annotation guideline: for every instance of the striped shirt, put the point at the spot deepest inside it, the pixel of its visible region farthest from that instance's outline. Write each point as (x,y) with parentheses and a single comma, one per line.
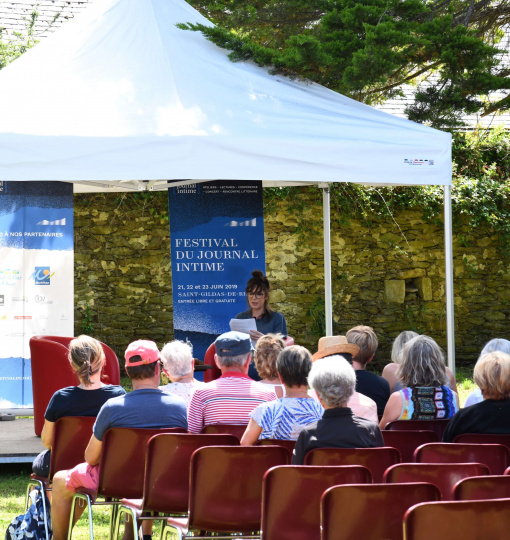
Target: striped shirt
(227,400)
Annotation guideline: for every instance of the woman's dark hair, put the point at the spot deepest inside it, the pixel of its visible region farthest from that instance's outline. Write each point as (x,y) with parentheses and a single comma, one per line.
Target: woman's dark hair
(259,283)
(144,371)
(293,364)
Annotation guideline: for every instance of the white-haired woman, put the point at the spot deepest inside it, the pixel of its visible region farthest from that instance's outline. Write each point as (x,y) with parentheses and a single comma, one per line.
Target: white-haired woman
(390,371)
(333,380)
(502,345)
(425,394)
(178,364)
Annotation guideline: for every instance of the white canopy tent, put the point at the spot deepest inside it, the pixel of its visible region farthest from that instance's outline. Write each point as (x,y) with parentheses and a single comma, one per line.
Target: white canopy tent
(120,98)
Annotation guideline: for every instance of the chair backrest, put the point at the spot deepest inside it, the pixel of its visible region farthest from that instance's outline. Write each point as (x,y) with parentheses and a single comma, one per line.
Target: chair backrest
(468,520)
(291,498)
(289,445)
(495,456)
(51,371)
(407,441)
(71,436)
(376,460)
(226,429)
(371,512)
(167,459)
(215,372)
(483,438)
(226,486)
(121,469)
(482,487)
(442,475)
(437,426)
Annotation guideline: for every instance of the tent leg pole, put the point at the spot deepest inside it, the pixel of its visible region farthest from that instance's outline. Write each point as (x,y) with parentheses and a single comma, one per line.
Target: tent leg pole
(448,253)
(327,259)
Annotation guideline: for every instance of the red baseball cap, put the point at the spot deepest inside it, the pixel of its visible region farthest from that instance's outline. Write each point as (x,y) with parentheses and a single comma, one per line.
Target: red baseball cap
(147,350)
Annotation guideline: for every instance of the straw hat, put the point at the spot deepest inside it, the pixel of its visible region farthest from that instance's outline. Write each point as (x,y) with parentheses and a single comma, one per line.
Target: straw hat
(330,345)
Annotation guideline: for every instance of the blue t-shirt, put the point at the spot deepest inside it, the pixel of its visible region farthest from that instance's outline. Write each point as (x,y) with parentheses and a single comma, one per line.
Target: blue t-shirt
(285,418)
(146,408)
(75,401)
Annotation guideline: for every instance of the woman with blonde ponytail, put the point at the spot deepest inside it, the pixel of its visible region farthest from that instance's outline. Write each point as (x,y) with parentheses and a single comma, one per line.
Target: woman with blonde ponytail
(87,358)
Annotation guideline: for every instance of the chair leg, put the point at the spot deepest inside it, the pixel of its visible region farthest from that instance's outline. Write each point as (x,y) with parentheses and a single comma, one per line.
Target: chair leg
(130,517)
(81,498)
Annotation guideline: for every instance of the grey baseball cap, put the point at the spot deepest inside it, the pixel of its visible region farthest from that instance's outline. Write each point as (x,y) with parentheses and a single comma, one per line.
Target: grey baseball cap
(232,344)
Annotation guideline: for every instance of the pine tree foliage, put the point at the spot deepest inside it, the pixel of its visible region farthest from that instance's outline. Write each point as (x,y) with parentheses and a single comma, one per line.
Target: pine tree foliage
(368,49)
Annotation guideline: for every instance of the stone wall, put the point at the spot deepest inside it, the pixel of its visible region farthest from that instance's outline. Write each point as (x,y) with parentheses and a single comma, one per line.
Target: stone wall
(389,274)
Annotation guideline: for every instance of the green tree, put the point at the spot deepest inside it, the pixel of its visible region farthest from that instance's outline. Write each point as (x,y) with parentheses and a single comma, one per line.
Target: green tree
(368,49)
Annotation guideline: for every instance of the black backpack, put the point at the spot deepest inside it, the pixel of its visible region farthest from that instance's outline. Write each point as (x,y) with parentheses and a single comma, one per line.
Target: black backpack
(31,525)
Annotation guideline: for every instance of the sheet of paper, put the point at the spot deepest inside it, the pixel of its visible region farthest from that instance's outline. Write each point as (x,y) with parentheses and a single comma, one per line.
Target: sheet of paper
(243,325)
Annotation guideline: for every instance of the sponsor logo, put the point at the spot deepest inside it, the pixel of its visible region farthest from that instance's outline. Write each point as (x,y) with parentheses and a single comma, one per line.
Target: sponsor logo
(60,222)
(42,275)
(9,276)
(418,162)
(20,317)
(40,299)
(23,299)
(2,300)
(16,334)
(3,318)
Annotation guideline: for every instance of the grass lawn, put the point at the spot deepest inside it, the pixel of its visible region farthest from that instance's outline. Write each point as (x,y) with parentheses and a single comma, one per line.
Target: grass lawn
(14,477)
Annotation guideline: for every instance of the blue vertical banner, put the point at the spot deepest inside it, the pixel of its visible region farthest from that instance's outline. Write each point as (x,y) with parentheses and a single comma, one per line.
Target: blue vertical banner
(217,240)
(36,278)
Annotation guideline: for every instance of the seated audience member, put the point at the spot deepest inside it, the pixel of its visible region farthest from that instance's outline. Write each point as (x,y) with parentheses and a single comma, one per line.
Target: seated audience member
(231,398)
(390,371)
(492,414)
(333,379)
(267,349)
(425,395)
(178,364)
(145,407)
(369,384)
(496,344)
(286,417)
(87,359)
(360,404)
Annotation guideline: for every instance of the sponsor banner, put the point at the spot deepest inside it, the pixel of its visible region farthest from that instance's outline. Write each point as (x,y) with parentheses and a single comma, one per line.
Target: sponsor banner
(217,240)
(36,277)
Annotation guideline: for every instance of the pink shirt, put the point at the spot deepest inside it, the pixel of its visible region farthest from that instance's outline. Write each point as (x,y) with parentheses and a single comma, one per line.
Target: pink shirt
(227,400)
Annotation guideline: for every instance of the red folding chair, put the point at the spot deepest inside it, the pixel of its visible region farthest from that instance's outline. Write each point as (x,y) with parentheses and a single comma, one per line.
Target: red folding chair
(121,471)
(289,445)
(482,487)
(225,429)
(370,512)
(483,438)
(71,436)
(226,490)
(467,520)
(214,372)
(443,475)
(495,456)
(166,477)
(291,498)
(437,426)
(376,460)
(407,441)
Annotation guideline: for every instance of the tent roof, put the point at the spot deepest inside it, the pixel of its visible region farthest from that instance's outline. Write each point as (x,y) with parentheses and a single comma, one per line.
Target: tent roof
(120,93)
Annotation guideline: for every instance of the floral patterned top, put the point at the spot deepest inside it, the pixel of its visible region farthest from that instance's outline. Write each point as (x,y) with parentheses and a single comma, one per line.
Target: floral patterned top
(184,390)
(286,417)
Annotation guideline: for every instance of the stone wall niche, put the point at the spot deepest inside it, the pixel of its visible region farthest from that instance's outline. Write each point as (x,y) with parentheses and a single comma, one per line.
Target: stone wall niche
(395,291)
